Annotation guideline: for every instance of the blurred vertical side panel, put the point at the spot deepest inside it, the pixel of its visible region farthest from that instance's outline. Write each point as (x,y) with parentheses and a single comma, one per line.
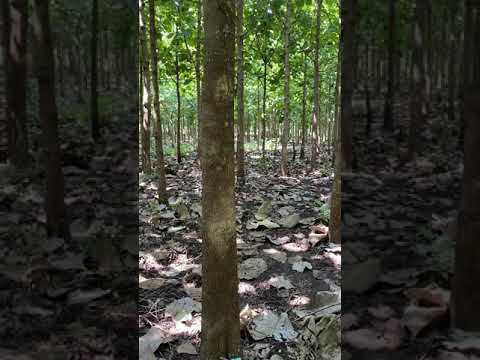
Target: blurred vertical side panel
(410,94)
(68,179)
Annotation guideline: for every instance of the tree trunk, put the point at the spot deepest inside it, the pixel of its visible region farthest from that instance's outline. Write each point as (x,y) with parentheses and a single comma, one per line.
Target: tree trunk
(335,223)
(94,73)
(451,64)
(264,107)
(16,80)
(304,107)
(316,89)
(240,97)
(417,98)
(146,98)
(388,123)
(220,302)
(179,106)
(160,165)
(57,225)
(348,13)
(468,63)
(198,58)
(336,129)
(465,297)
(286,116)
(368,104)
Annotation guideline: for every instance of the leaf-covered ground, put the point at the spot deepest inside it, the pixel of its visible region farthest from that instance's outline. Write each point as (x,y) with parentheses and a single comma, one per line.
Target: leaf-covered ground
(289,273)
(72,299)
(398,241)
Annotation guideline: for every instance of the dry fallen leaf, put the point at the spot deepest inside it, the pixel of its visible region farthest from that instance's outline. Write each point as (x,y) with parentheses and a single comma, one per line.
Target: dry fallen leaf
(252,268)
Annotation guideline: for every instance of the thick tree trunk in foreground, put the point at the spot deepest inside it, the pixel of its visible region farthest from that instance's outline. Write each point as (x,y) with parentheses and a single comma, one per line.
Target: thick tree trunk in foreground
(466,296)
(57,225)
(240,98)
(348,13)
(220,303)
(160,165)
(94,73)
(316,89)
(286,116)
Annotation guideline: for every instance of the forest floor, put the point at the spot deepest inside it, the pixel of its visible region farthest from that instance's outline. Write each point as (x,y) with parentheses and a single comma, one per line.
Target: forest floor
(398,242)
(289,273)
(72,299)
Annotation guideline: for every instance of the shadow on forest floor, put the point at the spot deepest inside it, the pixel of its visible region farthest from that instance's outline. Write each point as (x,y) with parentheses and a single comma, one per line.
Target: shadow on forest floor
(399,223)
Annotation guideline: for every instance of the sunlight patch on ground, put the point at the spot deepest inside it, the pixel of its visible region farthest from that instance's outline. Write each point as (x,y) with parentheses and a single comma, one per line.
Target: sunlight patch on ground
(246,288)
(300,300)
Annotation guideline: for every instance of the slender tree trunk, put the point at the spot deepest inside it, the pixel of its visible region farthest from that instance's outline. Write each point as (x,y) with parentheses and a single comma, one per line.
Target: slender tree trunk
(348,13)
(368,104)
(417,98)
(147,97)
(286,116)
(17,76)
(336,128)
(451,63)
(304,107)
(220,302)
(316,89)
(57,225)
(264,106)
(240,97)
(179,107)
(388,122)
(160,164)
(335,223)
(9,79)
(468,63)
(94,73)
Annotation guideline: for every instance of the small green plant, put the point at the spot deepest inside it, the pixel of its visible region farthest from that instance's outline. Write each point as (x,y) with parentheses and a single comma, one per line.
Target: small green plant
(324,212)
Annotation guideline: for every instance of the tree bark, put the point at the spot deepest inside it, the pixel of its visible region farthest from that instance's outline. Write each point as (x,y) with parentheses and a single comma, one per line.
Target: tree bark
(198,75)
(16,80)
(220,302)
(264,106)
(286,115)
(160,165)
(57,225)
(348,13)
(94,73)
(451,63)
(466,296)
(304,108)
(316,90)
(179,106)
(388,122)
(146,89)
(240,97)
(418,91)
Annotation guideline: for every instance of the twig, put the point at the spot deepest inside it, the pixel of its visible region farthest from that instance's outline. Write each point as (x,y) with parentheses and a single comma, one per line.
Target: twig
(318,310)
